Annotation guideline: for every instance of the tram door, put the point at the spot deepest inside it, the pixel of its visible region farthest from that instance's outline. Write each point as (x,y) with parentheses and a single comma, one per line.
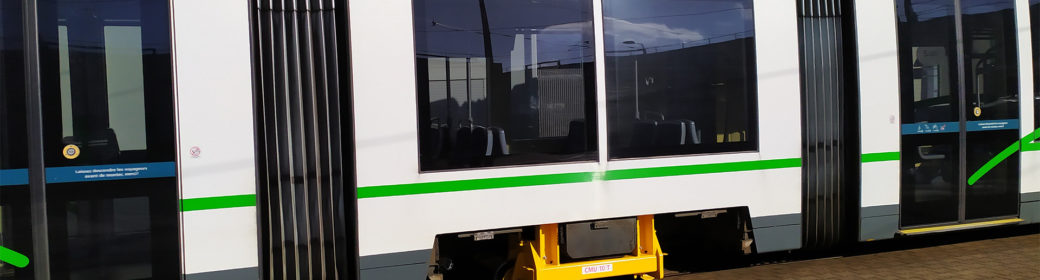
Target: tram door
(960,111)
(105,103)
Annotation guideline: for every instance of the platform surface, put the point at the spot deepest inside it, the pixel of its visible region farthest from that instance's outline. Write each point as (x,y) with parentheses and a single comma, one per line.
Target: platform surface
(999,257)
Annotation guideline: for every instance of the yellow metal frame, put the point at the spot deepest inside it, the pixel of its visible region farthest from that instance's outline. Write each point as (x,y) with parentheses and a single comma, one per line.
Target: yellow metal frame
(540,259)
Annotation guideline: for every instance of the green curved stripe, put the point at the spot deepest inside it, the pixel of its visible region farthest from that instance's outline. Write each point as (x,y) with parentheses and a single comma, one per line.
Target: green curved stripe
(13,258)
(1030,143)
(1026,144)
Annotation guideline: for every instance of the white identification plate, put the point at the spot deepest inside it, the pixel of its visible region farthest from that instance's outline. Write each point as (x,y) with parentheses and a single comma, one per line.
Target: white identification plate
(597,268)
(486,235)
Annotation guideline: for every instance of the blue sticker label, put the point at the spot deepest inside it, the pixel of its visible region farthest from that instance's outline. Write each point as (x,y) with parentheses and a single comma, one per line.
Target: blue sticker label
(992,125)
(14,177)
(930,128)
(111,172)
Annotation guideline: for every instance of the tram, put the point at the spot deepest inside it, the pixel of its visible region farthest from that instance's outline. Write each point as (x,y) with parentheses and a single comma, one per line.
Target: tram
(505,139)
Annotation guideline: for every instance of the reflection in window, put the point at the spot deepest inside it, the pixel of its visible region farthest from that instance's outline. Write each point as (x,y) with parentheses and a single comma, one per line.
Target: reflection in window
(991,63)
(680,77)
(504,82)
(106,81)
(123,58)
(12,88)
(929,94)
(126,220)
(117,230)
(928,46)
(124,84)
(106,86)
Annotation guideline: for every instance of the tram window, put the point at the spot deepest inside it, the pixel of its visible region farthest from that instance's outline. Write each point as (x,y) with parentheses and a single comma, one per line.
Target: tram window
(107,82)
(1034,12)
(991,60)
(509,83)
(15,225)
(12,88)
(119,230)
(124,84)
(107,88)
(681,77)
(928,47)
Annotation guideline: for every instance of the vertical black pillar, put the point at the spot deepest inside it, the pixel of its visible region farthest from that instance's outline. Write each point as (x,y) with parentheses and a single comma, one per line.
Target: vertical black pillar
(34,118)
(962,180)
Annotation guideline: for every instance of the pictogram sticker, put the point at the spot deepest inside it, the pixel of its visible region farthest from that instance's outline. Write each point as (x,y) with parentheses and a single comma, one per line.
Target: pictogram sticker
(195,151)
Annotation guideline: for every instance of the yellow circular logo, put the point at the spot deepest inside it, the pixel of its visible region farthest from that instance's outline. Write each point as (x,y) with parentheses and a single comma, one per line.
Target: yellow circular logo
(70,151)
(978,111)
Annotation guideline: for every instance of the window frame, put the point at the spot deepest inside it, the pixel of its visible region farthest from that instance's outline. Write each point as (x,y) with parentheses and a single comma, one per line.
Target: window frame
(588,66)
(751,94)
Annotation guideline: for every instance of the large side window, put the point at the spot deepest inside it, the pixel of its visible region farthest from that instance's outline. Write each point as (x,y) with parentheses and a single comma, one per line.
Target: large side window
(504,82)
(680,77)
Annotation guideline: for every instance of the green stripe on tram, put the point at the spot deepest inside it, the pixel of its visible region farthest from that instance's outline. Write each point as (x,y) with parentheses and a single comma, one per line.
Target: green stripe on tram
(1031,147)
(876,157)
(654,172)
(701,169)
(1030,143)
(13,258)
(474,184)
(1025,144)
(219,202)
(565,178)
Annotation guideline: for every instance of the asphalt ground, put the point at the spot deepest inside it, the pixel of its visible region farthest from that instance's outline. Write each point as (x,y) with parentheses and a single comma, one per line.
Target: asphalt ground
(995,253)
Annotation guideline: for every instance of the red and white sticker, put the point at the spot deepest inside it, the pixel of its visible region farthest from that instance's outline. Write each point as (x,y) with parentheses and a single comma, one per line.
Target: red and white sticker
(597,269)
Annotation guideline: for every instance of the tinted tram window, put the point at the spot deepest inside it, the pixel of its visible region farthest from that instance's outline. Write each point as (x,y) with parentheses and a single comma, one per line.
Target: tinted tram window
(107,81)
(504,82)
(680,77)
(107,89)
(991,60)
(928,47)
(12,89)
(942,137)
(15,226)
(992,95)
(1034,12)
(929,98)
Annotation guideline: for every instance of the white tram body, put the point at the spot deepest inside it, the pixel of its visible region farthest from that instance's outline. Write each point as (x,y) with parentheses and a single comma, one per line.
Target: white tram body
(402,209)
(388,145)
(406,224)
(213,74)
